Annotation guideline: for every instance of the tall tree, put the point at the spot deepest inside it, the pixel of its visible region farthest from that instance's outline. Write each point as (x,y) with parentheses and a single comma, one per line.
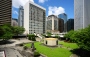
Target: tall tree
(5,32)
(18,30)
(81,37)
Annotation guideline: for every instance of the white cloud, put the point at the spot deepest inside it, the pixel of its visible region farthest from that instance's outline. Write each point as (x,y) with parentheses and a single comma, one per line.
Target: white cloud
(55,10)
(15,12)
(17,3)
(42,1)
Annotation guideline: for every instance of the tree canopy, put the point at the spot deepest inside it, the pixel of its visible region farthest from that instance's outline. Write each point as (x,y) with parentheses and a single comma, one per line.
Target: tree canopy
(81,37)
(18,30)
(7,31)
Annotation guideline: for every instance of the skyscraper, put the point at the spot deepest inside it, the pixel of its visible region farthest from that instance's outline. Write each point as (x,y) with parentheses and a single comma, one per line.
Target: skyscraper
(81,14)
(21,17)
(70,24)
(34,18)
(60,25)
(5,11)
(52,23)
(64,17)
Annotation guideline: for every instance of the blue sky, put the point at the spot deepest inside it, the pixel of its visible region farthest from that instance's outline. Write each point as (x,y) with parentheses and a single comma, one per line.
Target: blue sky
(52,7)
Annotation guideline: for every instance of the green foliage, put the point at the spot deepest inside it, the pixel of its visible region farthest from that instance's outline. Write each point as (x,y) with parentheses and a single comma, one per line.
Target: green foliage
(49,34)
(71,35)
(56,36)
(36,54)
(81,37)
(5,32)
(68,35)
(25,47)
(43,35)
(18,30)
(31,37)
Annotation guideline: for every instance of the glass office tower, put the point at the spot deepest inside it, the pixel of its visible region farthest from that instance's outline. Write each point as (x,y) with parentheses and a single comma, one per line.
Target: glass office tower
(64,17)
(70,24)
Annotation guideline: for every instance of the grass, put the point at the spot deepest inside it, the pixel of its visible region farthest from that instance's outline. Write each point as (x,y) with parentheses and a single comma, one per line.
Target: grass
(53,52)
(71,45)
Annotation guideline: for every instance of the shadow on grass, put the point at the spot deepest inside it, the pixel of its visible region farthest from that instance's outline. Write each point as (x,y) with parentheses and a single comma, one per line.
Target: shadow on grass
(81,52)
(3,42)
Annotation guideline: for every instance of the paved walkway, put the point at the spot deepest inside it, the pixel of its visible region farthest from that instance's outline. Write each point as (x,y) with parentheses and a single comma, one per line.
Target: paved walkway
(9,48)
(15,42)
(9,52)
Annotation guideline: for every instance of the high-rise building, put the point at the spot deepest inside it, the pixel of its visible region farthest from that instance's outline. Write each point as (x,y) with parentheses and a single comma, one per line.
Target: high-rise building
(64,17)
(5,12)
(70,24)
(21,17)
(34,18)
(61,25)
(81,14)
(52,24)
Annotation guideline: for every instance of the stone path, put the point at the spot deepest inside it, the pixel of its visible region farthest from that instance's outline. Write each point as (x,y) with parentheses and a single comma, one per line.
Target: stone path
(16,42)
(9,52)
(9,48)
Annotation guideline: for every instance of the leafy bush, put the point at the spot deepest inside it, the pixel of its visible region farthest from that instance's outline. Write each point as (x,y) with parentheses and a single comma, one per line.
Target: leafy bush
(49,34)
(56,36)
(36,54)
(20,44)
(25,47)
(5,32)
(31,37)
(81,37)
(71,35)
(43,34)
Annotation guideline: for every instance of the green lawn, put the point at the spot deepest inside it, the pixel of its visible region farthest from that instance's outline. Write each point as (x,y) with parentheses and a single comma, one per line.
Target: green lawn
(71,45)
(52,52)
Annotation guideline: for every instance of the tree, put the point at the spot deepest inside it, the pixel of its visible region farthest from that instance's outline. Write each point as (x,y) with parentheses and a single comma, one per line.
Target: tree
(18,30)
(5,32)
(81,37)
(68,35)
(71,35)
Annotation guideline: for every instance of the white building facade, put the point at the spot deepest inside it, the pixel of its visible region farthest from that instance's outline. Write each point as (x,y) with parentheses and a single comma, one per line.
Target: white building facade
(81,14)
(52,23)
(34,18)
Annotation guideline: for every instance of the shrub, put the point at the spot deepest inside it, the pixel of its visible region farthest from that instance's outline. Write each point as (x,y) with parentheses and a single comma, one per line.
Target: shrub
(25,47)
(71,36)
(36,54)
(20,44)
(44,35)
(56,36)
(31,37)
(49,34)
